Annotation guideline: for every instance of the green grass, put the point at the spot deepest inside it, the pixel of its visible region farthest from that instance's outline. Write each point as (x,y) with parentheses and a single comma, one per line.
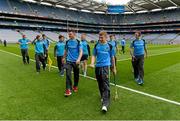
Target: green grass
(26,95)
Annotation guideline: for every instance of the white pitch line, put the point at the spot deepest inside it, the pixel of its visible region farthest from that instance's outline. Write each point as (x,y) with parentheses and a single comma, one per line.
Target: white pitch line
(151,55)
(122,87)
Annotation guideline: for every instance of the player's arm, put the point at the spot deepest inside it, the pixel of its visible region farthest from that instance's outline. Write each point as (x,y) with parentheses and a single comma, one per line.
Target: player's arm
(18,42)
(80,56)
(33,42)
(117,48)
(113,61)
(89,50)
(48,44)
(45,52)
(29,42)
(131,50)
(146,52)
(64,56)
(93,58)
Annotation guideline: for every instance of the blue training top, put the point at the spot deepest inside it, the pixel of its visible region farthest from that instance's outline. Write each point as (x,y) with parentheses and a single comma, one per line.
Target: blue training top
(103,54)
(114,45)
(138,46)
(85,47)
(46,43)
(123,42)
(23,43)
(73,47)
(59,48)
(39,47)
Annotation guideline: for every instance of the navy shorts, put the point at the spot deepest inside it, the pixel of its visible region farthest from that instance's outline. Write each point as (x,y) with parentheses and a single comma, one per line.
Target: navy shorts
(84,57)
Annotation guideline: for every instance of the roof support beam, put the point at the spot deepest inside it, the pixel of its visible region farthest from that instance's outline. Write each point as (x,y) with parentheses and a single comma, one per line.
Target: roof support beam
(92,4)
(83,1)
(97,9)
(60,2)
(131,9)
(171,1)
(132,3)
(152,3)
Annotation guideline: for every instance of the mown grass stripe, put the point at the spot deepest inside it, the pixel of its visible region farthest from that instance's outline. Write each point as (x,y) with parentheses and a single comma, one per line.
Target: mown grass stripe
(122,87)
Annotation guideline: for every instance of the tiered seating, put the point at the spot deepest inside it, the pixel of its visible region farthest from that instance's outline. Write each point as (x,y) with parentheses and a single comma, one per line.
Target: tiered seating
(4,6)
(176,40)
(65,14)
(11,36)
(31,35)
(51,35)
(21,7)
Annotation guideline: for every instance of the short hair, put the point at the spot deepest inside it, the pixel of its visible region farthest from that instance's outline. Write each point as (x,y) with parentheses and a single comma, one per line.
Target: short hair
(83,34)
(103,33)
(112,35)
(38,36)
(138,32)
(72,30)
(43,35)
(60,36)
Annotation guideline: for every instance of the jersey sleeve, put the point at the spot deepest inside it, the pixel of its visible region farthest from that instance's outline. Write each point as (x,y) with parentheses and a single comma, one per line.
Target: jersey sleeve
(48,42)
(115,43)
(80,46)
(94,52)
(145,44)
(66,46)
(112,53)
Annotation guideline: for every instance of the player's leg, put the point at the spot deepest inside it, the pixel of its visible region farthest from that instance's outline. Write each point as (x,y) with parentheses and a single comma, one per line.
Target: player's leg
(62,66)
(106,88)
(23,56)
(59,63)
(37,63)
(85,67)
(27,56)
(68,79)
(141,69)
(135,67)
(76,76)
(42,60)
(99,80)
(123,49)
(46,57)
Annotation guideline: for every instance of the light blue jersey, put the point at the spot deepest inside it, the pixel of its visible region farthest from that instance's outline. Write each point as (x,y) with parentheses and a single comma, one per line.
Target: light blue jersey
(85,47)
(39,47)
(123,42)
(138,46)
(59,48)
(103,54)
(73,48)
(46,43)
(114,45)
(23,43)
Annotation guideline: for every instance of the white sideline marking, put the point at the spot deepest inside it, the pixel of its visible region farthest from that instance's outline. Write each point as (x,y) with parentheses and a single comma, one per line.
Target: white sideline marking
(122,87)
(151,55)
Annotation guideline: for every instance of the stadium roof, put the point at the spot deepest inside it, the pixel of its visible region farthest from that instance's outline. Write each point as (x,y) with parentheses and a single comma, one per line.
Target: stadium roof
(131,6)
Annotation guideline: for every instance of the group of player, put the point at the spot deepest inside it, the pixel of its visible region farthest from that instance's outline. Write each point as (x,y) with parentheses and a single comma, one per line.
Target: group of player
(70,54)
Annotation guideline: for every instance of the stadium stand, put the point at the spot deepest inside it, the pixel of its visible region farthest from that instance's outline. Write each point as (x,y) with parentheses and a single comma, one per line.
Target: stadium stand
(10,35)
(65,14)
(35,18)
